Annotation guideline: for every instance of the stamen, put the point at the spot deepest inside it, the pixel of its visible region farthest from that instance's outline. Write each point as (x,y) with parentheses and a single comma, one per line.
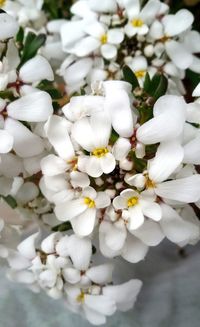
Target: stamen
(100,152)
(2,2)
(81,297)
(89,202)
(104,39)
(132,201)
(140,73)
(137,22)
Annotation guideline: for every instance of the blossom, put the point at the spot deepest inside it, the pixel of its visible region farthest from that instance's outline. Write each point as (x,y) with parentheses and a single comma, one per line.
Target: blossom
(82,211)
(139,20)
(93,135)
(135,206)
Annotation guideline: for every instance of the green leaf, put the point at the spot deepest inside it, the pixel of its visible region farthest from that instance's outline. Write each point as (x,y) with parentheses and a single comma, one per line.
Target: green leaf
(20,35)
(10,201)
(147,82)
(161,88)
(130,77)
(32,44)
(62,227)
(155,81)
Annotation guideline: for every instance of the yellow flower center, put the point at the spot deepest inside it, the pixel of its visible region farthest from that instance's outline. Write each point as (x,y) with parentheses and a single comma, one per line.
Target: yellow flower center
(100,152)
(2,2)
(137,22)
(80,298)
(132,201)
(140,73)
(104,39)
(89,202)
(150,183)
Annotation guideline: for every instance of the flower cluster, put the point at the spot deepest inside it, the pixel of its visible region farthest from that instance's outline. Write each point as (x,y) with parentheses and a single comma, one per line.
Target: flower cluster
(62,267)
(107,161)
(102,36)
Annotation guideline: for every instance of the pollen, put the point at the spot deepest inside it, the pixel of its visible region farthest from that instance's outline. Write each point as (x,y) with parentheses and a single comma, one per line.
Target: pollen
(89,202)
(100,152)
(132,201)
(140,73)
(137,22)
(150,183)
(104,39)
(80,298)
(2,2)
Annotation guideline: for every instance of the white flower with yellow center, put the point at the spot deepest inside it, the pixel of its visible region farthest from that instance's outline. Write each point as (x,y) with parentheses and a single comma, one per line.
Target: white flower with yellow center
(82,211)
(135,207)
(93,136)
(98,37)
(140,19)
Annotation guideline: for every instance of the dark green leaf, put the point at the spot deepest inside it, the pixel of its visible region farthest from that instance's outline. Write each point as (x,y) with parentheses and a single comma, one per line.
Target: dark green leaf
(20,35)
(161,88)
(32,44)
(11,201)
(147,82)
(130,77)
(62,227)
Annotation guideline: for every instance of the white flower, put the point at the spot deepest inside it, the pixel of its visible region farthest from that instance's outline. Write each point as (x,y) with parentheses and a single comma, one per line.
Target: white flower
(139,20)
(82,211)
(136,206)
(93,135)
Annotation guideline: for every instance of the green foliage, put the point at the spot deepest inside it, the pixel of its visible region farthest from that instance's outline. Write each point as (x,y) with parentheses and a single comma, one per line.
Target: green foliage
(56,9)
(157,86)
(10,201)
(130,77)
(32,44)
(64,227)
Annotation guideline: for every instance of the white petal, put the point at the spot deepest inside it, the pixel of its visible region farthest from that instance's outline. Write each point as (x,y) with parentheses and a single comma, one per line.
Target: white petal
(100,274)
(86,46)
(115,235)
(68,210)
(93,167)
(79,179)
(107,163)
(34,107)
(174,227)
(26,144)
(181,57)
(53,165)
(169,156)
(120,203)
(103,6)
(101,304)
(134,250)
(126,292)
(176,24)
(80,251)
(27,247)
(132,7)
(27,192)
(35,70)
(136,217)
(149,11)
(151,210)
(78,71)
(6,141)
(93,316)
(108,51)
(192,152)
(17,261)
(150,233)
(102,200)
(193,112)
(56,129)
(184,189)
(71,275)
(9,26)
(71,32)
(101,128)
(83,134)
(83,224)
(115,36)
(49,243)
(121,148)
(196,92)
(117,104)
